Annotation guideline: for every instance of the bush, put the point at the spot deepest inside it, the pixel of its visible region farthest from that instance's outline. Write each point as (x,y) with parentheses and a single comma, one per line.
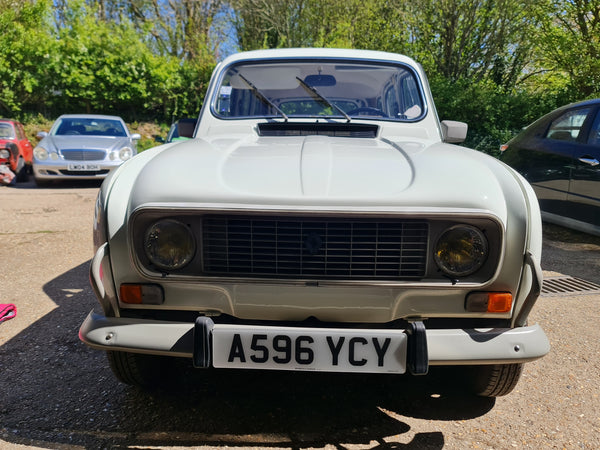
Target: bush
(494,115)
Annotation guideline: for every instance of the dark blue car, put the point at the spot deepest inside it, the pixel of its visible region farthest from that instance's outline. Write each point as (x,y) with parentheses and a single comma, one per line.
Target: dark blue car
(559,155)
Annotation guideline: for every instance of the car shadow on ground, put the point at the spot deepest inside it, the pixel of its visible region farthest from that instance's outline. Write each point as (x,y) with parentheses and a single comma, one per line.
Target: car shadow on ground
(570,252)
(57,391)
(62,184)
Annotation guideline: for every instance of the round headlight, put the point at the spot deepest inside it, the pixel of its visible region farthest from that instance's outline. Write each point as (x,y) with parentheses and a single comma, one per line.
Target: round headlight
(4,154)
(461,250)
(125,153)
(169,244)
(40,153)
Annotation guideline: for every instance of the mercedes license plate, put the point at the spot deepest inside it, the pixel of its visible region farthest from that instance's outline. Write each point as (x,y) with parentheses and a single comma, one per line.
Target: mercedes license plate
(83,167)
(320,349)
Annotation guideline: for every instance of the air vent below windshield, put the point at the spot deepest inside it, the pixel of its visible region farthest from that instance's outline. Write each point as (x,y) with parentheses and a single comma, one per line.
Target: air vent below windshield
(356,130)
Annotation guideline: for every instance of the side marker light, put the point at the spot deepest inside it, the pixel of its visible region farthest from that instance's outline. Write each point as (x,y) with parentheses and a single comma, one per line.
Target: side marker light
(491,302)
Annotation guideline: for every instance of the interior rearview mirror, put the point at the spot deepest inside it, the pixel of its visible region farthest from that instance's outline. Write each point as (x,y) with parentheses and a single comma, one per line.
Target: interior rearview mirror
(320,80)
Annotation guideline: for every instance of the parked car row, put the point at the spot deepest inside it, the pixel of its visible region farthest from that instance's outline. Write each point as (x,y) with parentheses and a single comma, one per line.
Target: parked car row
(78,147)
(559,155)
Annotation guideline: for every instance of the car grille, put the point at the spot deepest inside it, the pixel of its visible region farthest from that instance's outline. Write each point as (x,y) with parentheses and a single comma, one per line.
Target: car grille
(84,172)
(332,248)
(83,155)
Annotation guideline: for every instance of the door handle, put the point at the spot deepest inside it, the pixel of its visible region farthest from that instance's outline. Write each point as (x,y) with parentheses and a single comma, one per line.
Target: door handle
(589,160)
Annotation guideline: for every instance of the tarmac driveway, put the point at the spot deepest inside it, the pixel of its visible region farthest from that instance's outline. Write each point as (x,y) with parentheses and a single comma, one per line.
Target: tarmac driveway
(57,393)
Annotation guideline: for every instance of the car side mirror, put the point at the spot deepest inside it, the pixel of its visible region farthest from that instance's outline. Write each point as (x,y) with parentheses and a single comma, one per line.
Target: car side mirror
(454,132)
(41,134)
(136,136)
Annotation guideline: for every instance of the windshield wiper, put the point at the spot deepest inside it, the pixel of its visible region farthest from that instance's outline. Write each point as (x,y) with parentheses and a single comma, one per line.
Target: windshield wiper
(323,99)
(262,97)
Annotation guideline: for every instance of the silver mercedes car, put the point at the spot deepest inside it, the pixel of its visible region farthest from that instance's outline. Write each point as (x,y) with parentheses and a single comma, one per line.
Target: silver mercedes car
(82,147)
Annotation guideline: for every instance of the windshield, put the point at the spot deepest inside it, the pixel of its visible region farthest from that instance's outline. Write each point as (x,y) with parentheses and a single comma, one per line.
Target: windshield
(326,88)
(88,127)
(6,131)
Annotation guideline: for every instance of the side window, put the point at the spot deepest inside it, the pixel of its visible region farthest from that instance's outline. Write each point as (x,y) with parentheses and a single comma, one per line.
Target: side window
(410,97)
(568,126)
(20,132)
(594,138)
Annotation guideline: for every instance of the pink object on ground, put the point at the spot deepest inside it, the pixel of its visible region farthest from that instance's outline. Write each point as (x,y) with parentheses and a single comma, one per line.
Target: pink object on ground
(7,311)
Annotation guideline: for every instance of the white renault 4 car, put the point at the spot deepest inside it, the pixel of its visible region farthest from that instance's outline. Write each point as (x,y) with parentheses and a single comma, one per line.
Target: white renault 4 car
(319,220)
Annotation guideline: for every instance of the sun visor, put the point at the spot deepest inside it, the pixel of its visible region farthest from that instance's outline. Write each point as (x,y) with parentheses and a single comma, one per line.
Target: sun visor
(264,77)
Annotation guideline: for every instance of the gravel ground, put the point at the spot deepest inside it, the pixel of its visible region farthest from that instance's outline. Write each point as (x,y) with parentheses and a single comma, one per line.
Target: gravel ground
(57,393)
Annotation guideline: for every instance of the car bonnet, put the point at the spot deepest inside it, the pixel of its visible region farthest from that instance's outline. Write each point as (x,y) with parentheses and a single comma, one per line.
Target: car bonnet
(320,171)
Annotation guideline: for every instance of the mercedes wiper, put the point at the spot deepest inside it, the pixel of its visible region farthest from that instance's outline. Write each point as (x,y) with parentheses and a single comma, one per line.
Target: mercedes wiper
(262,96)
(312,90)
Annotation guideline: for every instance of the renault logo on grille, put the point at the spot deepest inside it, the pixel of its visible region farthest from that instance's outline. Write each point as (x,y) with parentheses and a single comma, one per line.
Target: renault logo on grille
(313,243)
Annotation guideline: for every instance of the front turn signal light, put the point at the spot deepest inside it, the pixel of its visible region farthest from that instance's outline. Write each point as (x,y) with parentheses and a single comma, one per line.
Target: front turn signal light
(137,294)
(499,302)
(491,302)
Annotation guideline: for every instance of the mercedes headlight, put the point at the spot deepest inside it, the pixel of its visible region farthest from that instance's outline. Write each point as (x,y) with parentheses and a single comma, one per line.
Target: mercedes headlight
(461,250)
(40,153)
(125,153)
(169,244)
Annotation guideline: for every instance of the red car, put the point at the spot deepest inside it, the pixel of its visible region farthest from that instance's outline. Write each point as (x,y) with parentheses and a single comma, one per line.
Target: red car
(15,149)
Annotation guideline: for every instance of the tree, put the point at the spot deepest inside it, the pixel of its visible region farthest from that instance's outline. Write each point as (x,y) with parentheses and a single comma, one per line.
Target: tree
(476,39)
(455,38)
(570,42)
(105,67)
(178,28)
(26,49)
(302,23)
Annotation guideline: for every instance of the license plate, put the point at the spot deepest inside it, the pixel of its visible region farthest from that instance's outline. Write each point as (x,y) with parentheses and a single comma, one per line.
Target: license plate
(83,167)
(321,349)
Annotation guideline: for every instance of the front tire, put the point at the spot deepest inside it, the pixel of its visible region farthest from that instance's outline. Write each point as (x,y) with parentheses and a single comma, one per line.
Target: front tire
(144,371)
(22,171)
(494,380)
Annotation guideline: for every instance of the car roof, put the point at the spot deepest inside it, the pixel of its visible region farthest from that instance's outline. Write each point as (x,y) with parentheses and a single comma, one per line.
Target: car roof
(310,53)
(593,101)
(558,111)
(89,116)
(590,102)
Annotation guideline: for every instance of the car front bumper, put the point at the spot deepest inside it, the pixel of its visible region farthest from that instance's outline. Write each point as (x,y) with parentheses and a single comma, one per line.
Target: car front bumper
(439,346)
(73,170)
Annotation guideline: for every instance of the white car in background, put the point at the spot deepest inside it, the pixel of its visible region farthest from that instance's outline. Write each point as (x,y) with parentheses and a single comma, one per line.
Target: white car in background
(82,147)
(318,220)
